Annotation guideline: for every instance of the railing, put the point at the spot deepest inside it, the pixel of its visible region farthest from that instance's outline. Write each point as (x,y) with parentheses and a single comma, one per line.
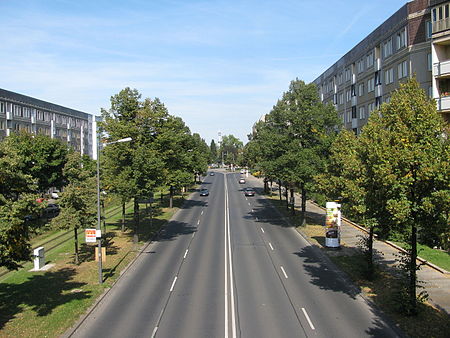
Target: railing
(443,103)
(441,25)
(441,68)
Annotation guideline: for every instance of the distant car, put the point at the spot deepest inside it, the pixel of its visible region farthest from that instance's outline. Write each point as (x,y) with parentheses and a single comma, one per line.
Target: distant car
(204,192)
(211,174)
(249,192)
(51,210)
(242,171)
(55,194)
(242,180)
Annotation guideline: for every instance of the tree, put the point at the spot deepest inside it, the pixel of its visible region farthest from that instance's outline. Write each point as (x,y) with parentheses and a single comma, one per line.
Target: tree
(213,152)
(79,201)
(17,200)
(230,147)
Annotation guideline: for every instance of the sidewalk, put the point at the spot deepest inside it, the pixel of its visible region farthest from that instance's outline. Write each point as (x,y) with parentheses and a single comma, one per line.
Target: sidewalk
(436,283)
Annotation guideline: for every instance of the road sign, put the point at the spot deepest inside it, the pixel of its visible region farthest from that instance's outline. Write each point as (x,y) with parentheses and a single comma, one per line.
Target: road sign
(91,235)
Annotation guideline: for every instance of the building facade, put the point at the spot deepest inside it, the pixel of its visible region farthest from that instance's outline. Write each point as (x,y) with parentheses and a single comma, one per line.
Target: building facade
(23,113)
(401,47)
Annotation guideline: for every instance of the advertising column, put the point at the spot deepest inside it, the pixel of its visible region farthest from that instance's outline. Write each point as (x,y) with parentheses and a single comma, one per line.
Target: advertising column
(333,225)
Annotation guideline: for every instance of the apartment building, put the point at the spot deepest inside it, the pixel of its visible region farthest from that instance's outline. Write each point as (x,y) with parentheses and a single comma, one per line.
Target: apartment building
(401,47)
(440,51)
(19,112)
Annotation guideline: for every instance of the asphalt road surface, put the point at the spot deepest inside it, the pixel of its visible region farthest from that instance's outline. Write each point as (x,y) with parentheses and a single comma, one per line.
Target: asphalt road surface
(228,266)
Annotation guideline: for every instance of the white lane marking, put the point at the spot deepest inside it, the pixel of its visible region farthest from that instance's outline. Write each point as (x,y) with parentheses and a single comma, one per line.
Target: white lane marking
(226,262)
(253,210)
(262,230)
(193,234)
(173,283)
(185,254)
(154,332)
(284,272)
(201,213)
(248,203)
(256,218)
(270,244)
(198,222)
(230,267)
(246,199)
(307,318)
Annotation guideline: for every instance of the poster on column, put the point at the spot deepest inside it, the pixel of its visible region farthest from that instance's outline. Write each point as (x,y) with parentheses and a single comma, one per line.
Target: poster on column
(333,225)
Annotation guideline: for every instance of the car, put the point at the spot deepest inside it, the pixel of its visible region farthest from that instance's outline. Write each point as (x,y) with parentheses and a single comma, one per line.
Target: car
(55,194)
(242,171)
(204,192)
(242,180)
(211,174)
(51,210)
(249,192)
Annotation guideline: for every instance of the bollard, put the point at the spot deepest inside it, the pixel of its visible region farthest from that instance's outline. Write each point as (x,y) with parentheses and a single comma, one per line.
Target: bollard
(39,258)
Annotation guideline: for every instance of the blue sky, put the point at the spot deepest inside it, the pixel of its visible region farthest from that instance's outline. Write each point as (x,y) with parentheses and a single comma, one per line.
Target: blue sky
(217,64)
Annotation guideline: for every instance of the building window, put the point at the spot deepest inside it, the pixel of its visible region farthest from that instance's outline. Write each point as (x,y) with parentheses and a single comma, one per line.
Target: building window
(348,94)
(361,66)
(389,76)
(362,113)
(401,39)
(377,102)
(341,98)
(2,107)
(369,60)
(429,63)
(371,85)
(387,48)
(370,107)
(387,99)
(361,89)
(434,15)
(430,91)
(402,69)
(347,74)
(428,29)
(377,78)
(353,112)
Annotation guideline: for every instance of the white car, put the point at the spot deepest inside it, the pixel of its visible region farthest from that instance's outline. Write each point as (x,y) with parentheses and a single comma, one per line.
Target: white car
(242,181)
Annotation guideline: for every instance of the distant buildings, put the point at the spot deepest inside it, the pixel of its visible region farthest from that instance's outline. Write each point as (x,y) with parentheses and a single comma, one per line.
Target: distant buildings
(19,112)
(414,41)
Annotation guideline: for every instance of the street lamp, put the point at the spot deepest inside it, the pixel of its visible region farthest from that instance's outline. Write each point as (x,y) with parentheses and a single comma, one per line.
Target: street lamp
(99,234)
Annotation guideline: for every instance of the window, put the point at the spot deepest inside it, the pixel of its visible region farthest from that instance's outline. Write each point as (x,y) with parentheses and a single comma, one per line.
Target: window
(371,85)
(369,60)
(429,63)
(361,89)
(401,39)
(341,98)
(362,113)
(434,15)
(349,97)
(2,107)
(387,99)
(428,29)
(370,107)
(347,74)
(361,66)
(402,69)
(377,78)
(353,112)
(389,76)
(387,48)
(353,90)
(430,91)
(340,79)
(377,102)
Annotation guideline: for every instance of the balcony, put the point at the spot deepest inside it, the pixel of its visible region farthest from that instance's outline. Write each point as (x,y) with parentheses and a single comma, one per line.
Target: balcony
(441,25)
(441,69)
(354,100)
(443,103)
(378,64)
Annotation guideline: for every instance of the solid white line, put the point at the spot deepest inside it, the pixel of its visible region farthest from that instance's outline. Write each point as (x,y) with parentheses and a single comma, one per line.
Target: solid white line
(285,275)
(307,318)
(226,261)
(249,203)
(173,284)
(185,254)
(271,246)
(154,332)
(262,230)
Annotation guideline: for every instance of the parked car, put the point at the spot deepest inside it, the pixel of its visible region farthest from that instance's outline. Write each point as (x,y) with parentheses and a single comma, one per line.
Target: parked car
(242,180)
(204,192)
(55,194)
(249,192)
(51,210)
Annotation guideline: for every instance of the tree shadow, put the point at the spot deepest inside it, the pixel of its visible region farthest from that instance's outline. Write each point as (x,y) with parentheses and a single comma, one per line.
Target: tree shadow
(323,273)
(41,293)
(188,204)
(175,229)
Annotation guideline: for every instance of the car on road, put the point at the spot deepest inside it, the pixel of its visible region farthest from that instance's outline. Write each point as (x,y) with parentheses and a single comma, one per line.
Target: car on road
(204,192)
(51,210)
(242,171)
(242,180)
(211,174)
(249,192)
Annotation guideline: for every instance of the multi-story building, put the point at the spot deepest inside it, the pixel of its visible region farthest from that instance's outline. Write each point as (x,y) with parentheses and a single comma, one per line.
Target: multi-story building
(19,112)
(440,51)
(399,48)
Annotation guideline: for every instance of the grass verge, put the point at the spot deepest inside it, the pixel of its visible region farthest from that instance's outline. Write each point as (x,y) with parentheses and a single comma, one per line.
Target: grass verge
(430,322)
(46,303)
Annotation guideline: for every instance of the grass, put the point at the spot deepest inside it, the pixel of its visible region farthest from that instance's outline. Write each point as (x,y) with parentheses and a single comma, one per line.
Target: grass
(47,303)
(437,257)
(430,322)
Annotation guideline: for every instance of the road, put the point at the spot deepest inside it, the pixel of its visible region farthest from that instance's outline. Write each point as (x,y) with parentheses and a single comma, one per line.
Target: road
(228,266)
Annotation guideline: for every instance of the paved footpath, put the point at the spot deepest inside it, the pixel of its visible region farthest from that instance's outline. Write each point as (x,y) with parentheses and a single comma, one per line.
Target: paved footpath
(436,283)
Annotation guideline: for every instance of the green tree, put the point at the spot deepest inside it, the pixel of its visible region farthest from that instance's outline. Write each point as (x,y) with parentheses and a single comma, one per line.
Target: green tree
(230,147)
(79,201)
(213,152)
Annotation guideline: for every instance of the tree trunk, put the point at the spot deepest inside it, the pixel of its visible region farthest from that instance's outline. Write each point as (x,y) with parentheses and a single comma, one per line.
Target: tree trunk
(292,201)
(286,196)
(75,233)
(136,222)
(123,217)
(271,185)
(303,193)
(171,197)
(279,190)
(370,270)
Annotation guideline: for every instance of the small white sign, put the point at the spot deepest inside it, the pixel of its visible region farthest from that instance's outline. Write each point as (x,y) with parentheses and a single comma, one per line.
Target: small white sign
(91,235)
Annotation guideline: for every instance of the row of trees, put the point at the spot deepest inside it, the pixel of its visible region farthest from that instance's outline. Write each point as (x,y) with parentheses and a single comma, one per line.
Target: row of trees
(393,177)
(163,154)
(230,150)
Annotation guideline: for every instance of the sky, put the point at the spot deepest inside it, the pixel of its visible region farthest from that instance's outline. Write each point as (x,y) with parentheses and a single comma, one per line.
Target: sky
(218,64)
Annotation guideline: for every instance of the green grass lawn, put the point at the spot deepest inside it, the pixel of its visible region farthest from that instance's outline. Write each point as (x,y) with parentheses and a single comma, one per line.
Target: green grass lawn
(437,257)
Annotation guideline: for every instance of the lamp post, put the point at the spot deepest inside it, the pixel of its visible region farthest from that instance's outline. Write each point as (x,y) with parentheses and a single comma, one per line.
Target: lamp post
(99,231)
